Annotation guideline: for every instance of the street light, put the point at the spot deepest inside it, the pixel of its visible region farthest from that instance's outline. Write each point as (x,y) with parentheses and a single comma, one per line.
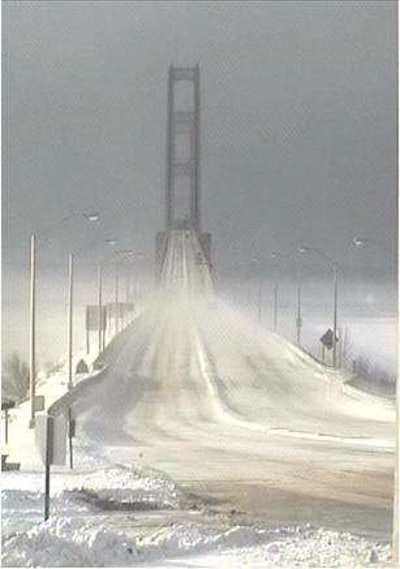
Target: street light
(70,339)
(111,241)
(92,216)
(32,300)
(360,243)
(299,322)
(101,337)
(274,256)
(70,350)
(255,261)
(335,268)
(116,256)
(124,255)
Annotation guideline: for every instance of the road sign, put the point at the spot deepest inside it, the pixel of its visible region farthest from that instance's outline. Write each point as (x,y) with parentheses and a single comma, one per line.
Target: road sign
(327,339)
(51,436)
(122,308)
(92,317)
(38,403)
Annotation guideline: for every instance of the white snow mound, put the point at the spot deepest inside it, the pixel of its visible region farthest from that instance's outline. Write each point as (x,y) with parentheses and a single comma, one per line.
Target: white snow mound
(65,542)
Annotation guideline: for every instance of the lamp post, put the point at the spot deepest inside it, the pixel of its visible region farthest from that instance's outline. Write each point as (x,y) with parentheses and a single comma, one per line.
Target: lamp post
(254,261)
(299,321)
(274,256)
(71,428)
(335,268)
(90,217)
(117,256)
(360,243)
(71,424)
(100,269)
(70,352)
(101,332)
(125,255)
(116,296)
(32,329)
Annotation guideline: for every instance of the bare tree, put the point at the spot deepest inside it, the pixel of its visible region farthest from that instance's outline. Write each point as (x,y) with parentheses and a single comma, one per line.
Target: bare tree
(15,378)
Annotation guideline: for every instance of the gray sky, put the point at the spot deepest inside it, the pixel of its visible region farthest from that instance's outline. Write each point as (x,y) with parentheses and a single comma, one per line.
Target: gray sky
(299,121)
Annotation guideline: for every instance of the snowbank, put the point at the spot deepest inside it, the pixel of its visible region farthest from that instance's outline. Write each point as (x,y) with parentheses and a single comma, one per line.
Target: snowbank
(66,542)
(77,494)
(128,485)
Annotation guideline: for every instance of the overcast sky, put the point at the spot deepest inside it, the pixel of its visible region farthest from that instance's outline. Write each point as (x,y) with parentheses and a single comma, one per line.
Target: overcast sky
(299,122)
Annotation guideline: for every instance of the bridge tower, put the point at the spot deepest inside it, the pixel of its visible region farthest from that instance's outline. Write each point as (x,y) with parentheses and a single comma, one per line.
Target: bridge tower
(182,200)
(183,149)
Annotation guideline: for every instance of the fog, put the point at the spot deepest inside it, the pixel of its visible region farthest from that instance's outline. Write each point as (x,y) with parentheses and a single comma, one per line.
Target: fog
(298,142)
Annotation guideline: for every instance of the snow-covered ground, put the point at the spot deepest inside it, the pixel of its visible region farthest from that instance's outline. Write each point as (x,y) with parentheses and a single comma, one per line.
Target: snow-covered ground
(367,313)
(89,527)
(72,543)
(269,458)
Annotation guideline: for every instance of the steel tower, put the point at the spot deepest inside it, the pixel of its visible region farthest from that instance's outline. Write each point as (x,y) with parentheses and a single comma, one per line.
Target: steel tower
(183,149)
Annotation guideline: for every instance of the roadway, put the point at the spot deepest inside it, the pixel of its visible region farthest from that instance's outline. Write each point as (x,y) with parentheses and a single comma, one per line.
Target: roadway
(238,415)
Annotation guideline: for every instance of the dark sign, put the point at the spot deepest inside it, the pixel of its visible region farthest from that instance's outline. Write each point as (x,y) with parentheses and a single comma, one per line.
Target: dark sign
(38,403)
(327,339)
(122,308)
(92,317)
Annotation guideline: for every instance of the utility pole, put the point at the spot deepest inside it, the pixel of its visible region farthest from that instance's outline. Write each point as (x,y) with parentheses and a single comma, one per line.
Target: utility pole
(260,300)
(335,299)
(32,329)
(100,306)
(106,324)
(276,306)
(335,267)
(116,297)
(298,320)
(70,352)
(128,294)
(70,316)
(396,504)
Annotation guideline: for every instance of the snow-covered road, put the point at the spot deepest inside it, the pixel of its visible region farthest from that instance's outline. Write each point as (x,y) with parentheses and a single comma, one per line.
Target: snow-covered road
(237,414)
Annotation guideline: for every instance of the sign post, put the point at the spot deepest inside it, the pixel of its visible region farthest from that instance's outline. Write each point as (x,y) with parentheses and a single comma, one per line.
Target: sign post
(48,457)
(328,343)
(50,438)
(6,406)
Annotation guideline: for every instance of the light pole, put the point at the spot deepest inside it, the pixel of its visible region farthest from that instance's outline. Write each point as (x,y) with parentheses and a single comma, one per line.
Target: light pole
(116,296)
(101,328)
(70,339)
(90,217)
(275,304)
(299,321)
(32,329)
(275,256)
(117,257)
(70,351)
(100,307)
(125,255)
(360,243)
(71,427)
(254,261)
(334,266)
